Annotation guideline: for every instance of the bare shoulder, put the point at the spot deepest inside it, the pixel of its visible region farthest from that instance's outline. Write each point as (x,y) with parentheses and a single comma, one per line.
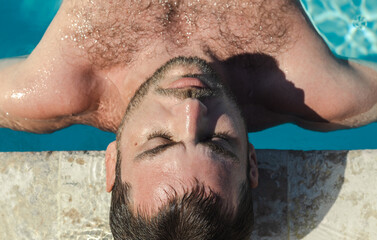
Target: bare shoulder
(338,91)
(50,86)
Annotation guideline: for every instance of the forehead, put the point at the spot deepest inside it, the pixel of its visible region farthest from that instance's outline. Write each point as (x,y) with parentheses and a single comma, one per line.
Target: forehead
(161,184)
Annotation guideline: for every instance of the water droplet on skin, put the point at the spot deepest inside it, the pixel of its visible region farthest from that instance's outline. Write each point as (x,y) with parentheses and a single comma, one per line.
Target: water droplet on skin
(187,117)
(17,95)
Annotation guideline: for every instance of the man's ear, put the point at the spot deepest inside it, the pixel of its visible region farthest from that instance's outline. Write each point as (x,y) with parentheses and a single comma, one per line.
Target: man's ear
(253,174)
(111,159)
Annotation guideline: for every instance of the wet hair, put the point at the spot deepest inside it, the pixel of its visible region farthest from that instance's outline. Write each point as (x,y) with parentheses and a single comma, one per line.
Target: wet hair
(195,215)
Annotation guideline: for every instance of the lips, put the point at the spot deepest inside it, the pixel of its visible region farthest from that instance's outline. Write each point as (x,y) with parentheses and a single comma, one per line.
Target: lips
(187,82)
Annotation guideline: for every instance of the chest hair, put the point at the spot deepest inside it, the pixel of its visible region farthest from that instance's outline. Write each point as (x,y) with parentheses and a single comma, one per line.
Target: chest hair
(114,32)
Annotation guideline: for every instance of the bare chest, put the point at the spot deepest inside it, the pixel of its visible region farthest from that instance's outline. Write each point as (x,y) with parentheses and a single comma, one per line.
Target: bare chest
(115,32)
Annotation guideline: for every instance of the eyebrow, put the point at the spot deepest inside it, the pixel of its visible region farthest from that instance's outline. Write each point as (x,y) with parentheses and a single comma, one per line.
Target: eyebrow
(215,148)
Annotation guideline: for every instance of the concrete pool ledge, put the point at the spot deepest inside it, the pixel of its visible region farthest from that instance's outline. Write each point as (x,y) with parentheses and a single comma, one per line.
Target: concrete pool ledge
(301,195)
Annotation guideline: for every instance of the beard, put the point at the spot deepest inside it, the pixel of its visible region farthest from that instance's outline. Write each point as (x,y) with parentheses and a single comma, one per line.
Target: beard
(207,75)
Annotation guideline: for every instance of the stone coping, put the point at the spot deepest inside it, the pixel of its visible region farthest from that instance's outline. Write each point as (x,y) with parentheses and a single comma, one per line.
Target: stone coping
(301,195)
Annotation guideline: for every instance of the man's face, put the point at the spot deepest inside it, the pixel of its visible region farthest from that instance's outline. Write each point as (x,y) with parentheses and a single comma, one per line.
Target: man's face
(180,128)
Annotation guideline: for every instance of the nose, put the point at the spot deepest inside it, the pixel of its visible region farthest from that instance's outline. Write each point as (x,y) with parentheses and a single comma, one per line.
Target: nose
(190,118)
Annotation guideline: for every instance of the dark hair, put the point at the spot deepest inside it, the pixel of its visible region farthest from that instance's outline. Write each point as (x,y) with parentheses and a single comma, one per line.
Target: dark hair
(195,216)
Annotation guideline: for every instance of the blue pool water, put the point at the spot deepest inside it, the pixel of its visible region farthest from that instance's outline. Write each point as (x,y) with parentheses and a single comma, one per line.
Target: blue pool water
(348,26)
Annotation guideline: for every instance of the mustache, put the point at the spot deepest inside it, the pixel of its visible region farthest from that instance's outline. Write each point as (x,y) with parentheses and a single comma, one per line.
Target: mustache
(184,93)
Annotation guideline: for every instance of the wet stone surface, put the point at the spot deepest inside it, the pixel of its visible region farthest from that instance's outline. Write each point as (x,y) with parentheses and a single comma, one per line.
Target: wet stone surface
(301,195)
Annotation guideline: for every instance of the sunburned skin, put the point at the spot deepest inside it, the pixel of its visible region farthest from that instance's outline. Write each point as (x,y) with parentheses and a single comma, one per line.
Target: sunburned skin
(95,54)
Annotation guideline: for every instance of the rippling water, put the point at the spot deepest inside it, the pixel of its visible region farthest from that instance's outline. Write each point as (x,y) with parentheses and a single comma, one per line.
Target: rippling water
(349,27)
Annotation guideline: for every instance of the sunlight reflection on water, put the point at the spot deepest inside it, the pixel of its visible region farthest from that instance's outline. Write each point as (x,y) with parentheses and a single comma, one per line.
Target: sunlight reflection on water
(349,27)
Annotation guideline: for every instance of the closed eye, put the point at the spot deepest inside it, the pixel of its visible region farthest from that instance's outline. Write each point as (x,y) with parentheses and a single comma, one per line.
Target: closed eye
(158,141)
(222,136)
(218,143)
(155,151)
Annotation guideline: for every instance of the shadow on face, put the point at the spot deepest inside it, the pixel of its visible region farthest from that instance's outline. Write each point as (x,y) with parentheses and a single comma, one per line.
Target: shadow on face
(182,145)
(188,135)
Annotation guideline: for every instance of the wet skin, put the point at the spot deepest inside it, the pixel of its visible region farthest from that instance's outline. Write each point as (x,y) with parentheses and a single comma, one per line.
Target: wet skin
(94,57)
(96,54)
(173,138)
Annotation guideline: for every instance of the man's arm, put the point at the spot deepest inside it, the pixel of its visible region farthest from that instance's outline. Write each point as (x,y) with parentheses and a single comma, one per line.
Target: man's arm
(57,85)
(313,89)
(51,88)
(23,101)
(42,93)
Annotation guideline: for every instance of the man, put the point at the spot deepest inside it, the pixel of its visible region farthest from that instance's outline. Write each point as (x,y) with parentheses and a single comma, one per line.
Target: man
(183,158)
(182,142)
